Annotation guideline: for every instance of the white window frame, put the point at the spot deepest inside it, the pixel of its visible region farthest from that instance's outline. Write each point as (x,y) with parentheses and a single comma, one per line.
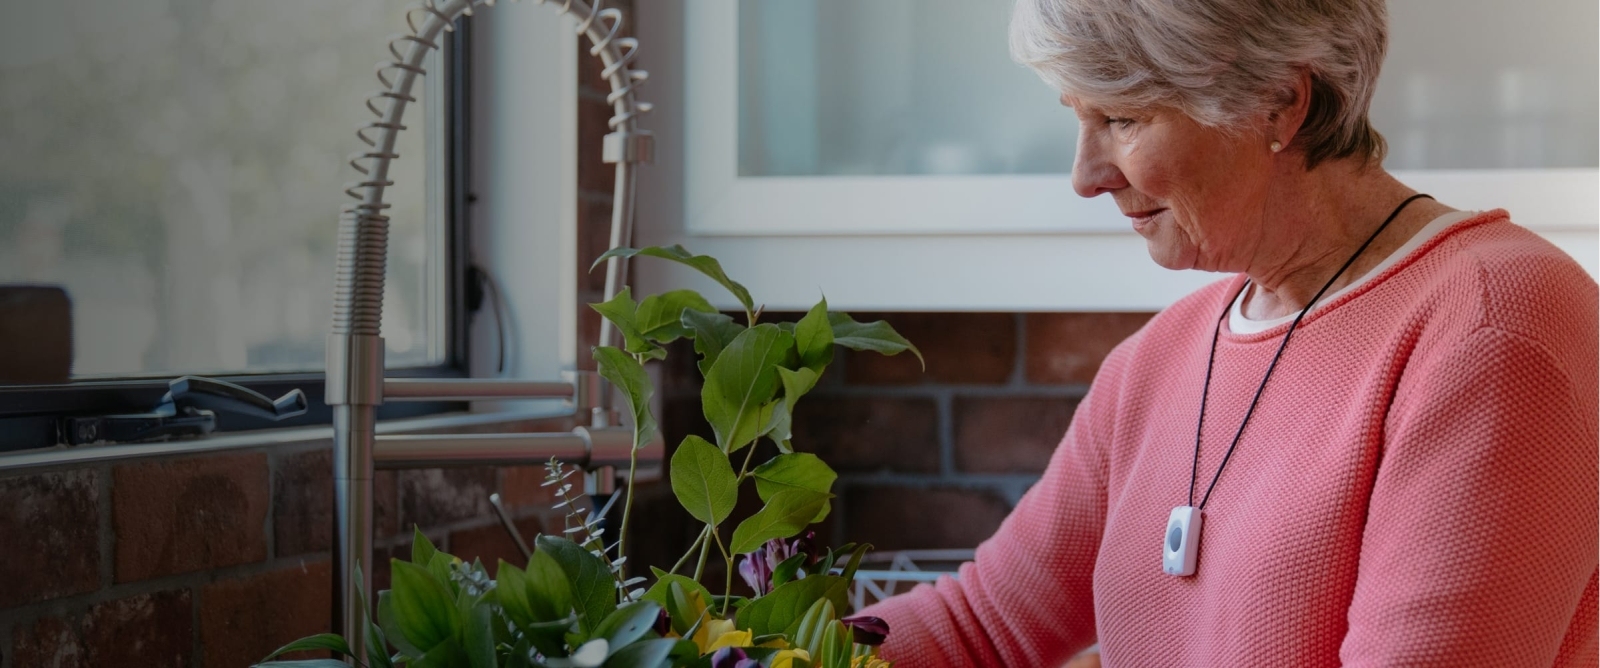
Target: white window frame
(983,242)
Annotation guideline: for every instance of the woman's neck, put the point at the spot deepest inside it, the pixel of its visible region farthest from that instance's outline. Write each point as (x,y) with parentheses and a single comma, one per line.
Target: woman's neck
(1315,221)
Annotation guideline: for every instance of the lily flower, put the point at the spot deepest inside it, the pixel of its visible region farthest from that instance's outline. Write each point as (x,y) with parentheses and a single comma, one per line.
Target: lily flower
(732,657)
(866,630)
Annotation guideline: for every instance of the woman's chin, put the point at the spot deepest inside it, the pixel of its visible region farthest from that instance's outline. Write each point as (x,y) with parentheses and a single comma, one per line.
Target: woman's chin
(1167,256)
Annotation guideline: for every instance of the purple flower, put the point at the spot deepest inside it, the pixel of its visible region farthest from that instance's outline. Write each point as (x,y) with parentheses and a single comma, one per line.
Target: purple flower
(757,566)
(663,622)
(867,630)
(732,657)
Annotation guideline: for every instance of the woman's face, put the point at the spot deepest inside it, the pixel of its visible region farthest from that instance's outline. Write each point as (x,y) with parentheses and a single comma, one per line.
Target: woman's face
(1196,194)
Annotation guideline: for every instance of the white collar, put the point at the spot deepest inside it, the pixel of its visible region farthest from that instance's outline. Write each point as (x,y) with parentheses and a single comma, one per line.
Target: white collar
(1239,324)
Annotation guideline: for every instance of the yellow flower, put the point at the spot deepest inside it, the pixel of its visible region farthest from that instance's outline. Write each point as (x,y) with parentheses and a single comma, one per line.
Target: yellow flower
(869,662)
(730,639)
(786,658)
(710,632)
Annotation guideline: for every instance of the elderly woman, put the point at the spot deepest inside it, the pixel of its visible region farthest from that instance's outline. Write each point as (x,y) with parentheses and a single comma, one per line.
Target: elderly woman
(1373,445)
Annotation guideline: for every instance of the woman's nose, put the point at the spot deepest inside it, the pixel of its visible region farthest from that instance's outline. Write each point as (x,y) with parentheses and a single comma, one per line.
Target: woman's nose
(1092,172)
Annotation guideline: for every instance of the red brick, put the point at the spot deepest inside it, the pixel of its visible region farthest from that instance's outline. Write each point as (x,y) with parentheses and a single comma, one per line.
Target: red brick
(968,348)
(522,488)
(244,619)
(594,239)
(52,525)
(492,543)
(907,518)
(148,630)
(1009,434)
(1067,348)
(594,175)
(386,503)
(431,497)
(868,433)
(189,514)
(48,643)
(302,503)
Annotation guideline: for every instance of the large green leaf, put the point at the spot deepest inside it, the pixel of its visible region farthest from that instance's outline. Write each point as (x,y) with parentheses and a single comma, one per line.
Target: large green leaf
(424,608)
(798,470)
(478,637)
(814,338)
(625,372)
(660,317)
(712,333)
(781,610)
(704,264)
(780,426)
(332,642)
(738,392)
(422,549)
(377,645)
(512,593)
(389,621)
(628,623)
(786,513)
(593,590)
(704,481)
(623,313)
(447,654)
(549,594)
(644,654)
(875,336)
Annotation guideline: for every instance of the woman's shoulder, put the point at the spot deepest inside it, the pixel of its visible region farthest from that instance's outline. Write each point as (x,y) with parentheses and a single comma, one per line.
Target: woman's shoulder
(1517,281)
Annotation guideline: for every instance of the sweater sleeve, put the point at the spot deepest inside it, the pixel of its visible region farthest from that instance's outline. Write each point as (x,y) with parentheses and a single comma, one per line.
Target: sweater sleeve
(1479,547)
(1026,598)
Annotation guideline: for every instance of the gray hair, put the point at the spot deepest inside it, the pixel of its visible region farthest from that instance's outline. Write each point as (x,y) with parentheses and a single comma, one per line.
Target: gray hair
(1224,63)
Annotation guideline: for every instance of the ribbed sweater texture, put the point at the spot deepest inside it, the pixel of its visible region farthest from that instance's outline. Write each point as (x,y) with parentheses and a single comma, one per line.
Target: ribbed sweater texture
(1416,488)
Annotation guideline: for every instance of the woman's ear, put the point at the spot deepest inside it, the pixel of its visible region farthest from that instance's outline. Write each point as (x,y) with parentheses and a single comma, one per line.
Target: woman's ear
(1293,106)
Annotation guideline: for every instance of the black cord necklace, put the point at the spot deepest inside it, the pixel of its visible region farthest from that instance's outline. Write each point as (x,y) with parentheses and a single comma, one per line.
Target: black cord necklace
(1182,544)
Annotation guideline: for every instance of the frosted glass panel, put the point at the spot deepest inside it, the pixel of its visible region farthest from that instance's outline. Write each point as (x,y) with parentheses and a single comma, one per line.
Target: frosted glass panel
(845,87)
(1475,84)
(891,87)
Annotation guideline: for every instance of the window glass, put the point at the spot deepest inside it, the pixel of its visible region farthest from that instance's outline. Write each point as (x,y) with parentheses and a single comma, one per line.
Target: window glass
(177,165)
(844,87)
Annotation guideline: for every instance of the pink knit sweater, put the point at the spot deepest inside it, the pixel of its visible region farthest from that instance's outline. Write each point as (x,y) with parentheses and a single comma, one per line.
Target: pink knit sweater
(1417,487)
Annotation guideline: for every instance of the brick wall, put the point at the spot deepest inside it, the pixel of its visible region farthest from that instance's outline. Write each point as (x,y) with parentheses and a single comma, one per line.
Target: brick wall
(217,559)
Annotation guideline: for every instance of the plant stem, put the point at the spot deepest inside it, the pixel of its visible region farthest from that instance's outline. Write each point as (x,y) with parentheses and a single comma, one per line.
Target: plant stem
(704,546)
(727,589)
(627,504)
(743,470)
(690,552)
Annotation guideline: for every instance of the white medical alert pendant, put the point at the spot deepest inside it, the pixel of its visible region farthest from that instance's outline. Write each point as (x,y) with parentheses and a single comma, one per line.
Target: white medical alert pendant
(1181,549)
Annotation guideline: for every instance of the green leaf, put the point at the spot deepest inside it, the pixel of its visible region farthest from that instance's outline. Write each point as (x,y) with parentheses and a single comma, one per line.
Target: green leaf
(798,470)
(422,549)
(627,374)
(786,513)
(447,654)
(876,336)
(712,333)
(593,590)
(786,570)
(389,621)
(377,644)
(807,635)
(520,655)
(814,338)
(628,623)
(426,613)
(644,654)
(703,480)
(660,317)
(741,384)
(704,264)
(332,642)
(512,593)
(683,598)
(549,594)
(623,313)
(478,637)
(781,610)
(855,561)
(303,663)
(835,647)
(795,385)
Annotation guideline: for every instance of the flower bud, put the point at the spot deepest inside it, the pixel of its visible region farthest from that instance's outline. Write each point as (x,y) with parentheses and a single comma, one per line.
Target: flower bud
(866,630)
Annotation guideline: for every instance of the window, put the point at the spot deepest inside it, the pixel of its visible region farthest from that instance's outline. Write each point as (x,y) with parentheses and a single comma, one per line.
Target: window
(175,166)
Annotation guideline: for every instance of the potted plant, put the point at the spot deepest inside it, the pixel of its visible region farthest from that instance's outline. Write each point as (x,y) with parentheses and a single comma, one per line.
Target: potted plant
(574,605)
